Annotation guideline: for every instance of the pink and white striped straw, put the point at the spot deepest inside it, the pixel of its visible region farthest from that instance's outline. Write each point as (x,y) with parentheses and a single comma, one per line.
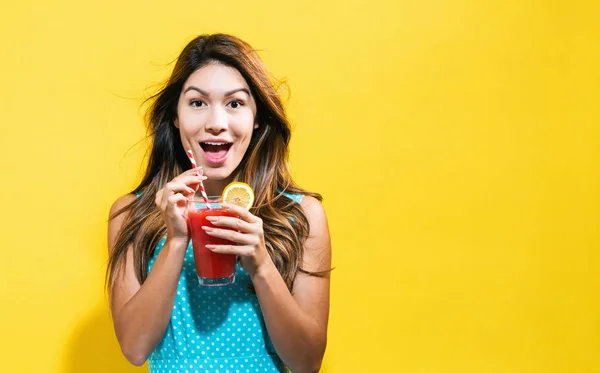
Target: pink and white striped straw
(202,190)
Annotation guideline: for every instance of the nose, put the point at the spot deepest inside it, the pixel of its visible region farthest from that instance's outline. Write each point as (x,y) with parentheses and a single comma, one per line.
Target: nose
(217,121)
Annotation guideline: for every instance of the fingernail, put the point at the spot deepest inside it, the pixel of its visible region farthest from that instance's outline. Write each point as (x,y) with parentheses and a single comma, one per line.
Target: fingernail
(206,228)
(210,247)
(211,218)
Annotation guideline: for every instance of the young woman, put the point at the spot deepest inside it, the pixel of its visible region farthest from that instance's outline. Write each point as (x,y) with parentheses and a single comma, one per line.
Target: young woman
(220,103)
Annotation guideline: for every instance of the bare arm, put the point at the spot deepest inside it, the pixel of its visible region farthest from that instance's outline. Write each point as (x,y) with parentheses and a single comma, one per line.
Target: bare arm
(296,324)
(141,313)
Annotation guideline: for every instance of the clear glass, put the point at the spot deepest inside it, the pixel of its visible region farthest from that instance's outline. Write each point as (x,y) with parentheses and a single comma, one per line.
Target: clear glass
(214,269)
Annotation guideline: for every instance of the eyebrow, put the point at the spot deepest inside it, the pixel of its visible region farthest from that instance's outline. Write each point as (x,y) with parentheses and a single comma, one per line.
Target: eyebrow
(192,88)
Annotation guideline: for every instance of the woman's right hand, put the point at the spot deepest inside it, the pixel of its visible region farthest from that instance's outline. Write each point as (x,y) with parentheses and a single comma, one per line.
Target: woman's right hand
(172,202)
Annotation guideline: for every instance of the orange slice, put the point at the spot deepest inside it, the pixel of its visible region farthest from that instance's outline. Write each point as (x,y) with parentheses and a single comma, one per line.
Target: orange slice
(238,193)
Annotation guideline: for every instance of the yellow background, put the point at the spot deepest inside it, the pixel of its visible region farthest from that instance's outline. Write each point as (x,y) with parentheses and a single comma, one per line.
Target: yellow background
(455,142)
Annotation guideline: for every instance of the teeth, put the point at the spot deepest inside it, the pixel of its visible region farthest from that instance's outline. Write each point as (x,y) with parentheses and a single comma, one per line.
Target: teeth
(216,143)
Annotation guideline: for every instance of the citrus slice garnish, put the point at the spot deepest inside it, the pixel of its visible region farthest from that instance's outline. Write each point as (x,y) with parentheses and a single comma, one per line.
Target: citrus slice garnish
(238,193)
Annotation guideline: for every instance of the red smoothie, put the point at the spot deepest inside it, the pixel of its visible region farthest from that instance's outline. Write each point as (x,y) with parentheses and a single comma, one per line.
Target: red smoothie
(213,268)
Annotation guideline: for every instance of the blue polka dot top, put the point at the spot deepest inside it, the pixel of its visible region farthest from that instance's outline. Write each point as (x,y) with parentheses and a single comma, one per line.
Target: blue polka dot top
(214,329)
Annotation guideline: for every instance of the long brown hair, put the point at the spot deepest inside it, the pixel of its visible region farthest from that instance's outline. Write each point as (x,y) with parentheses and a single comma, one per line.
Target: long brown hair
(264,166)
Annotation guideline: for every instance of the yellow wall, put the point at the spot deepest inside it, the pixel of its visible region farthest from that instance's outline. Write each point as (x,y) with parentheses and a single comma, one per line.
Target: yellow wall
(455,142)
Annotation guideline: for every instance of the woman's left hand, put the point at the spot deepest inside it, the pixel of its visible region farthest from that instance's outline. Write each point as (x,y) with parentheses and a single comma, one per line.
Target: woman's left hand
(246,232)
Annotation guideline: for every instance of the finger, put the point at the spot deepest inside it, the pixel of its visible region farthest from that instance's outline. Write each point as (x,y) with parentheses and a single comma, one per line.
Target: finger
(229,235)
(198,171)
(176,203)
(193,181)
(174,188)
(232,223)
(242,213)
(189,179)
(231,249)
(177,187)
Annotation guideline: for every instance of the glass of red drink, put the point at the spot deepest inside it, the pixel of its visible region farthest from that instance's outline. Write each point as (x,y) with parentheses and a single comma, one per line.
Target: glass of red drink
(213,269)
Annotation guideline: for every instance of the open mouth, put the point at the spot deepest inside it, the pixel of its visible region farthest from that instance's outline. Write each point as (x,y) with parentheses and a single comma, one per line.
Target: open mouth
(215,152)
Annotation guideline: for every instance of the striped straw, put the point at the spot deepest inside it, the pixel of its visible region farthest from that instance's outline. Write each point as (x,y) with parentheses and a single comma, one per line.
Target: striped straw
(202,190)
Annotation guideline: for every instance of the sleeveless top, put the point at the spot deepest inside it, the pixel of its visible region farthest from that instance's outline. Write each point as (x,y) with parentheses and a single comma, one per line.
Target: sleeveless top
(214,329)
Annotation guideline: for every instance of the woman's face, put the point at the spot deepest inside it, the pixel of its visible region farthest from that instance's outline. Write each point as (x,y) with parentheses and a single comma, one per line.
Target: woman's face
(215,117)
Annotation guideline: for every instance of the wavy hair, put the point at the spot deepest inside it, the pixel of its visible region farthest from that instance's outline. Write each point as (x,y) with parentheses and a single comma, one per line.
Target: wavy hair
(264,166)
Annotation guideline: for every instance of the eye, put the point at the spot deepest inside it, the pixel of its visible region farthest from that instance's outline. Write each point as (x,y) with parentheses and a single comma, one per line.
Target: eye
(196,103)
(236,104)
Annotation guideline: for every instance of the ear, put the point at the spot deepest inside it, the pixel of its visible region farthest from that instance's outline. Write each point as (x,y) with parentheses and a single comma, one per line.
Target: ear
(255,125)
(176,122)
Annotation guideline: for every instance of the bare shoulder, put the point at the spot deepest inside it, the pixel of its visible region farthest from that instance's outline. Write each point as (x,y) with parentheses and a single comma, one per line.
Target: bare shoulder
(310,291)
(317,247)
(125,281)
(314,211)
(115,222)
(120,203)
